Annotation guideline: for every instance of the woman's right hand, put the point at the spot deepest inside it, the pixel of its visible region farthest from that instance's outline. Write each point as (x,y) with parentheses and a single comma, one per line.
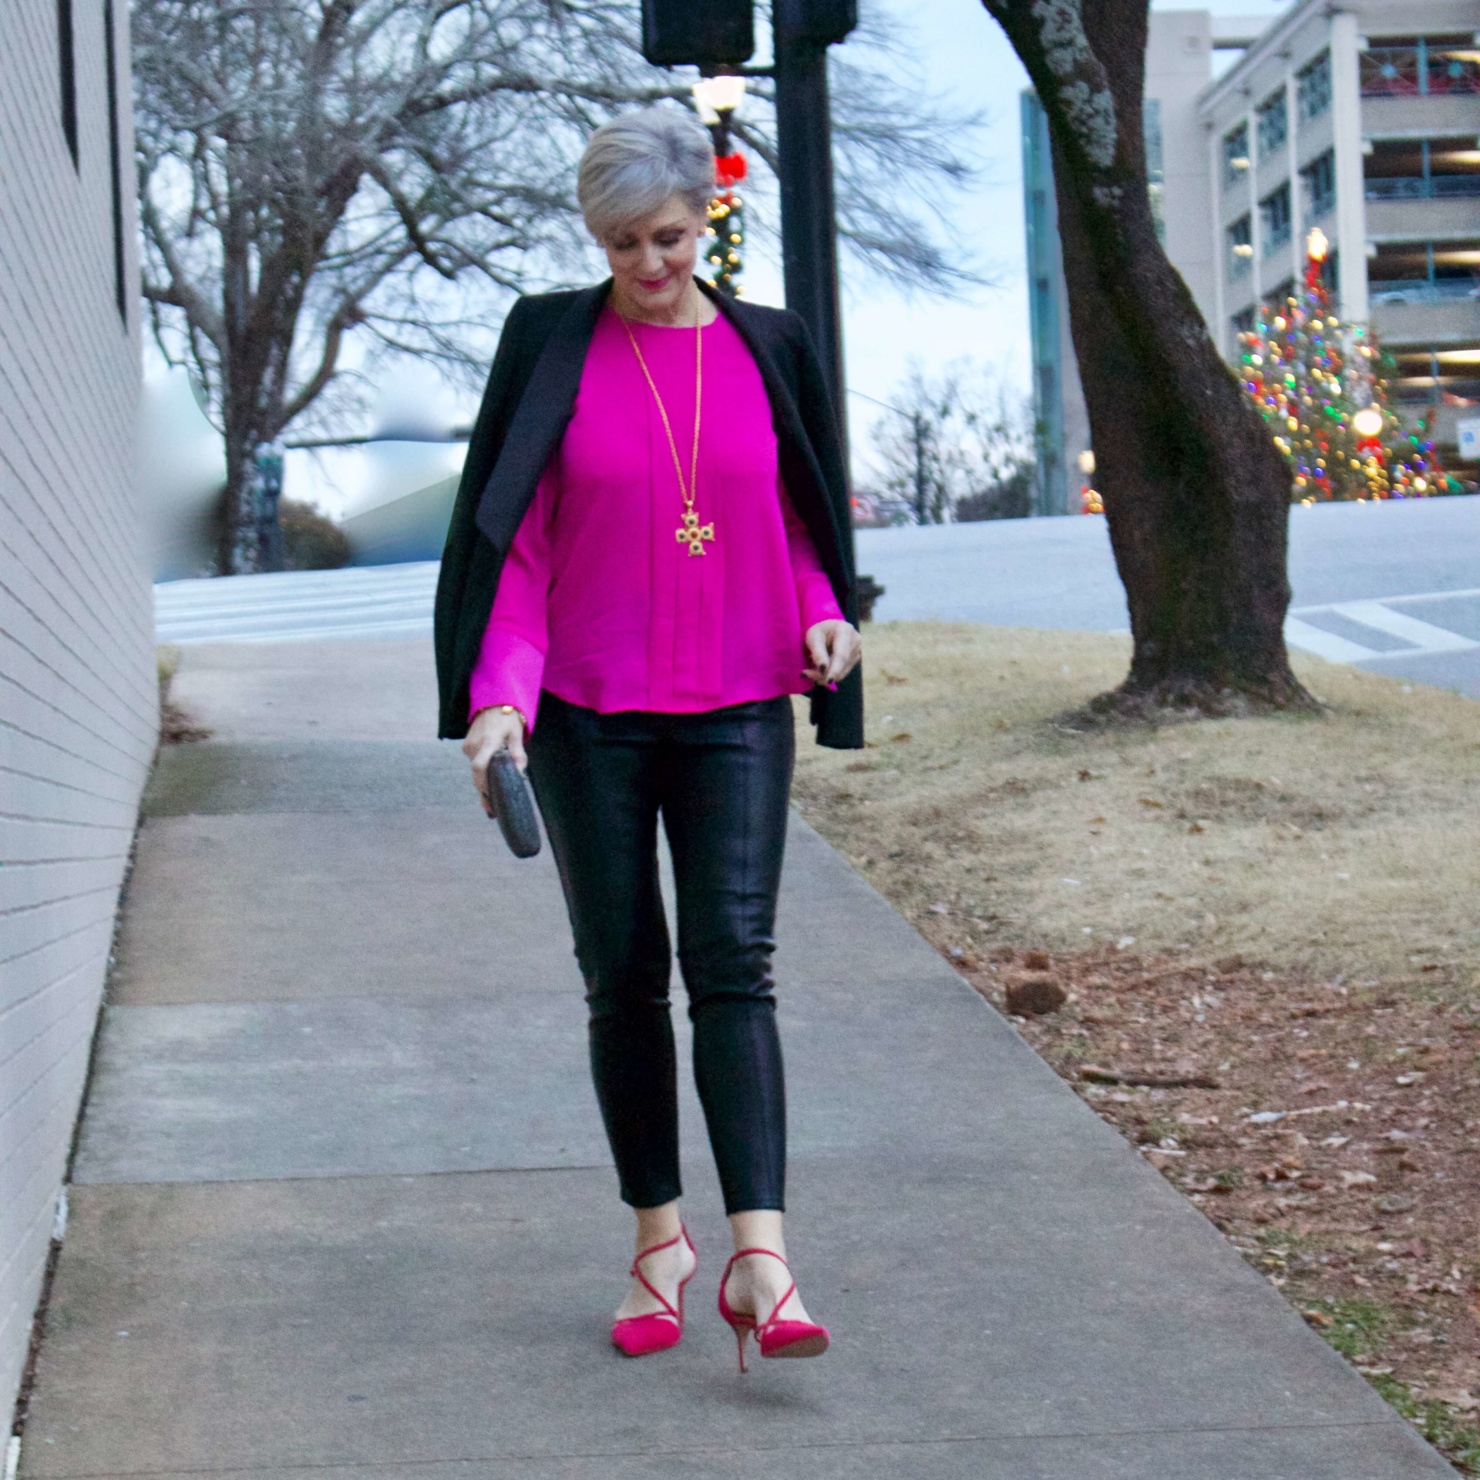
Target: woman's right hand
(491,731)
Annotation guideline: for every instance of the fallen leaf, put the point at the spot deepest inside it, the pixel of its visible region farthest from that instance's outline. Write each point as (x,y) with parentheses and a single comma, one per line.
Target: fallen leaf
(1149,802)
(1317,1318)
(1196,827)
(1358,1179)
(903,735)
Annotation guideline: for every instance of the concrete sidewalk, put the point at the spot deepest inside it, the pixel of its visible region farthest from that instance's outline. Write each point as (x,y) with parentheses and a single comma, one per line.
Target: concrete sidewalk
(343,1204)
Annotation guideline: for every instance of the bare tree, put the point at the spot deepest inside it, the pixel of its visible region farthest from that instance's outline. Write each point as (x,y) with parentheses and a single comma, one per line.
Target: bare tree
(916,446)
(958,445)
(1196,494)
(319,172)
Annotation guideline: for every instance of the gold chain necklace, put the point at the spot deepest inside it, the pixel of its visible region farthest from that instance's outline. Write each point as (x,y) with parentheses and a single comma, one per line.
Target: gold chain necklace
(690,532)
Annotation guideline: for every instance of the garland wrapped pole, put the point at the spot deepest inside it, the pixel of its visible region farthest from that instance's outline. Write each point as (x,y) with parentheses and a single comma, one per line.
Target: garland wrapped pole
(724,249)
(717,97)
(1195,492)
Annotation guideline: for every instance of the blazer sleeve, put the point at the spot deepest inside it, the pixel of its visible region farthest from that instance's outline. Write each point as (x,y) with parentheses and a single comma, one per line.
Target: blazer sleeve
(469,563)
(836,713)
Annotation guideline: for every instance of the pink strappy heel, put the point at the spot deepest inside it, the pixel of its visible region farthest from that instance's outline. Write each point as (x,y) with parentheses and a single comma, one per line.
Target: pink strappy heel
(641,1336)
(774,1337)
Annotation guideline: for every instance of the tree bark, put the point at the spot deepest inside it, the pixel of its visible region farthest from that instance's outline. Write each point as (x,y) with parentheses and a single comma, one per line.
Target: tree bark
(1196,494)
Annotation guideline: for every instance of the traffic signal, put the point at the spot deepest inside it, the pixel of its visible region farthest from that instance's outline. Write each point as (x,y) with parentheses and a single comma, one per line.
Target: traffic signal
(704,33)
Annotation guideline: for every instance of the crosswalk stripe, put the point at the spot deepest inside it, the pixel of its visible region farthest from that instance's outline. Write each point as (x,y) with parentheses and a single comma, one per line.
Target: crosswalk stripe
(1424,636)
(1325,644)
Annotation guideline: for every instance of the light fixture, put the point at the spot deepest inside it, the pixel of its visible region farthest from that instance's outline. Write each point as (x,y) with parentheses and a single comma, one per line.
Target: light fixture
(1087,462)
(718,97)
(1243,249)
(1367,423)
(1239,162)
(1317,245)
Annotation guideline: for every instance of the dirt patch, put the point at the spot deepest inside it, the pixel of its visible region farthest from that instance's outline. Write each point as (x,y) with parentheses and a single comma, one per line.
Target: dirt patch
(1330,1129)
(176,725)
(1266,937)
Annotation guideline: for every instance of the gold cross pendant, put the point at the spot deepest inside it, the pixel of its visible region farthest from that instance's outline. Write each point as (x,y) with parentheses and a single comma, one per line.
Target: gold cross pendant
(693,533)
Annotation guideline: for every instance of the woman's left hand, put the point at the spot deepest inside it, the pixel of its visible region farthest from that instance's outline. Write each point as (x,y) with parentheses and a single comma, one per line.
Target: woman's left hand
(835,648)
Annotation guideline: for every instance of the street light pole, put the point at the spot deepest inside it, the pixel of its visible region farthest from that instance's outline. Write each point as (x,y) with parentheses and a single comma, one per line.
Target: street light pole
(809,239)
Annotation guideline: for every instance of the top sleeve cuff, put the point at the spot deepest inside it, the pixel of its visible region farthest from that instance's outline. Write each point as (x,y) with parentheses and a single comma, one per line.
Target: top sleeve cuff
(815,599)
(510,671)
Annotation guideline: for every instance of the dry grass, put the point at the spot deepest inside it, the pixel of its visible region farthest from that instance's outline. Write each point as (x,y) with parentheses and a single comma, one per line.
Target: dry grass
(1347,842)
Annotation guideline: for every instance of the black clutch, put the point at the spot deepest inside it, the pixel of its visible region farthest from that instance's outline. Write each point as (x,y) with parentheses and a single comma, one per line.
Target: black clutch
(513,805)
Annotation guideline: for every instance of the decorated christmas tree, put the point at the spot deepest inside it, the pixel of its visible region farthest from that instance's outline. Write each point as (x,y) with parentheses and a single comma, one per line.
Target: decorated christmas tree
(1319,384)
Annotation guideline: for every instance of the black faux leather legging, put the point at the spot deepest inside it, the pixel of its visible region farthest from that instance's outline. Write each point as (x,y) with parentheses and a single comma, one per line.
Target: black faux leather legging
(721,780)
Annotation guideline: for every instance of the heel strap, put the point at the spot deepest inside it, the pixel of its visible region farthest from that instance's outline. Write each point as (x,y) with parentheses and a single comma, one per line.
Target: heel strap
(770,1320)
(742,1253)
(682,1236)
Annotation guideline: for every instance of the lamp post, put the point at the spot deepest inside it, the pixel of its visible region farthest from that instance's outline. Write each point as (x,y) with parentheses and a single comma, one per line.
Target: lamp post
(802,30)
(717,36)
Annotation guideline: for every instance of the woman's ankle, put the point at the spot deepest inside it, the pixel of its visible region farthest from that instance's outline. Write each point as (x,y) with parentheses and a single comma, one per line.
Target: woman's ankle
(659,1225)
(759,1228)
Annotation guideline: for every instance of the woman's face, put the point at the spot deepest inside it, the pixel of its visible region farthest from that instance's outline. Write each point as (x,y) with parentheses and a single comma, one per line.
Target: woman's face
(652,261)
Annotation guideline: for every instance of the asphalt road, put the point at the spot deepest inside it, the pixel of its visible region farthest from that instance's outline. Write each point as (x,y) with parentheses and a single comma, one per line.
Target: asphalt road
(1393,586)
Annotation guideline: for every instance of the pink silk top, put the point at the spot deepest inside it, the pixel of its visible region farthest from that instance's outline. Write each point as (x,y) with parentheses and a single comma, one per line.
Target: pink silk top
(599,602)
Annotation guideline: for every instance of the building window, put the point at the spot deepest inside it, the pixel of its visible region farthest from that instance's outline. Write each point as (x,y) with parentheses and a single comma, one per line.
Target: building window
(1236,155)
(1331,271)
(1313,88)
(1155,165)
(1418,66)
(1274,218)
(1446,167)
(115,163)
(1283,295)
(1452,64)
(1273,126)
(67,72)
(1425,271)
(1319,179)
(1240,248)
(1243,321)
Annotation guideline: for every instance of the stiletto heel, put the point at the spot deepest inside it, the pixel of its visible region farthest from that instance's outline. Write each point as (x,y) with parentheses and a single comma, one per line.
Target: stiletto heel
(741,1332)
(641,1336)
(775,1338)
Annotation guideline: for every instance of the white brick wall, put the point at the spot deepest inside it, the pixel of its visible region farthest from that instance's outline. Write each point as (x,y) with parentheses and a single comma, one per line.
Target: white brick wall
(78,714)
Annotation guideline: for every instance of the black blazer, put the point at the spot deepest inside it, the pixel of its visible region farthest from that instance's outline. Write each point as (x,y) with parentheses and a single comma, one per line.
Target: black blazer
(526,407)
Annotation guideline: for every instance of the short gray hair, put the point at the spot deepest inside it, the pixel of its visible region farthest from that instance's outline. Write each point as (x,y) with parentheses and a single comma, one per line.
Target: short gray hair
(639,160)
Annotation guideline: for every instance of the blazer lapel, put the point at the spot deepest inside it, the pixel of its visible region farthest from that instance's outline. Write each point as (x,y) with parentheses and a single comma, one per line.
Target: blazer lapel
(539,420)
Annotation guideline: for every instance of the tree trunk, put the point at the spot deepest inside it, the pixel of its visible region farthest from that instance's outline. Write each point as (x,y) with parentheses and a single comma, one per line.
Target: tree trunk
(240,550)
(1196,494)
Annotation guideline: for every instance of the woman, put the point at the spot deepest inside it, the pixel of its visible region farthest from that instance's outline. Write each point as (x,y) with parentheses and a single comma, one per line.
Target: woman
(650,552)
